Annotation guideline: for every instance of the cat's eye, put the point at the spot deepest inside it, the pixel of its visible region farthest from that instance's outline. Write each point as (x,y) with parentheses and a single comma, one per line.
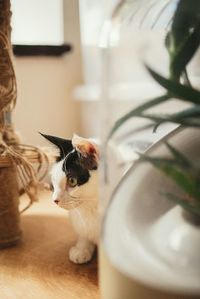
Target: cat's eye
(72,181)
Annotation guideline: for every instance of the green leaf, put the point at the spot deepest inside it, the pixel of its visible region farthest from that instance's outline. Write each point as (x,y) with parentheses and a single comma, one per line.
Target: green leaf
(194,209)
(189,117)
(190,122)
(185,52)
(177,90)
(181,117)
(186,79)
(136,112)
(193,111)
(185,17)
(178,156)
(156,161)
(176,171)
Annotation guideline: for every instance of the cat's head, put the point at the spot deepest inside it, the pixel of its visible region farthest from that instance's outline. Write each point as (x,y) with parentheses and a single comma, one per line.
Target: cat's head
(74,175)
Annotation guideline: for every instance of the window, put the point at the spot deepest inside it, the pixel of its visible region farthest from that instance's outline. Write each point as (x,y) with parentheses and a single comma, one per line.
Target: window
(37,25)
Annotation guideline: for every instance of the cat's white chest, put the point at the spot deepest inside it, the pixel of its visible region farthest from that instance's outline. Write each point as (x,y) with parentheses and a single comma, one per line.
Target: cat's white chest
(85,221)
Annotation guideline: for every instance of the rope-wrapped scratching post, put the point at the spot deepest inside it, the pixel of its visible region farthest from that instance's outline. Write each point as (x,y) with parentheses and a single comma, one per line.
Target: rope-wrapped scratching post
(10,232)
(18,162)
(9,215)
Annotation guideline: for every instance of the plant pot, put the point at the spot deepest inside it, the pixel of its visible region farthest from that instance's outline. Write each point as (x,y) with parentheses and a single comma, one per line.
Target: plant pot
(149,249)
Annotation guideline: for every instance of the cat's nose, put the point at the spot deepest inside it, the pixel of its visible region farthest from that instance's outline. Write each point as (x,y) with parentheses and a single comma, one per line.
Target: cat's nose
(56,201)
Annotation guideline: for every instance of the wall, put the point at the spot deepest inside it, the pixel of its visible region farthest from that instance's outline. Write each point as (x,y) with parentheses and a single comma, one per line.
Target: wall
(45,87)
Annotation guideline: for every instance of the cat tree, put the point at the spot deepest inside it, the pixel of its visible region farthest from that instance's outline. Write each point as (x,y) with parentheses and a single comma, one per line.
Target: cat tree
(18,172)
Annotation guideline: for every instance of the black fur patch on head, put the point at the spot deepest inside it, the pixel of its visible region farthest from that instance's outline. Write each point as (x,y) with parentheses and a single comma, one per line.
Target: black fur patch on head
(65,145)
(72,166)
(89,162)
(75,164)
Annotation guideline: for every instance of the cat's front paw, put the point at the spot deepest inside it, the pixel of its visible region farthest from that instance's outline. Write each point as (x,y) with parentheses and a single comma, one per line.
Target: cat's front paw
(80,255)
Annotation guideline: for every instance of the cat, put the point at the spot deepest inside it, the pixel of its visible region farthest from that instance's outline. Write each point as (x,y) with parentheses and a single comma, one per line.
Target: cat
(74,178)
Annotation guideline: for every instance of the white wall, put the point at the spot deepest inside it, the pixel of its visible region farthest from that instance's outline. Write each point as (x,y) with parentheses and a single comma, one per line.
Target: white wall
(45,86)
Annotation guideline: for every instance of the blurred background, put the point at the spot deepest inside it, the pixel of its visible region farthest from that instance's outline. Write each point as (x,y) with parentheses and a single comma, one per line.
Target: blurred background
(60,94)
(57,94)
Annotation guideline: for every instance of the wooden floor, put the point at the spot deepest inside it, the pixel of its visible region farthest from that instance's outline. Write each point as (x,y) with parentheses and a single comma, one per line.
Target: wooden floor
(39,266)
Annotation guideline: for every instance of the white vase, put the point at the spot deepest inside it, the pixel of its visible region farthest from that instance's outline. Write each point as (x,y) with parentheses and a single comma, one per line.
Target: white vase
(149,249)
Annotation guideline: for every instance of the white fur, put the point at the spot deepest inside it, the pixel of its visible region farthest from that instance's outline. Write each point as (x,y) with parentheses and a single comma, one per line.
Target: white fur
(82,203)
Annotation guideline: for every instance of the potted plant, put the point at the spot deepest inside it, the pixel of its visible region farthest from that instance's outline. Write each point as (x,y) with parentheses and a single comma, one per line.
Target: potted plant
(160,215)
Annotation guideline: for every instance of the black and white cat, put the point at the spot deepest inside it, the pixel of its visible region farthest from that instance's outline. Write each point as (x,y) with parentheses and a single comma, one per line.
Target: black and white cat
(75,184)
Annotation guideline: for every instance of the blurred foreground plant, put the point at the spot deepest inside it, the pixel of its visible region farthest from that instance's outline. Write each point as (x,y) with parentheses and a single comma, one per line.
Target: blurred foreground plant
(182,41)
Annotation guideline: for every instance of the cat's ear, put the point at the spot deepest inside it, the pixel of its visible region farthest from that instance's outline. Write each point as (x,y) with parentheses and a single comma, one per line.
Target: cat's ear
(65,145)
(86,147)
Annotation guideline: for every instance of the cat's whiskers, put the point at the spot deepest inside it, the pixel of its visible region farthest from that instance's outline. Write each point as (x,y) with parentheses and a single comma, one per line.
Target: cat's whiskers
(74,197)
(71,204)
